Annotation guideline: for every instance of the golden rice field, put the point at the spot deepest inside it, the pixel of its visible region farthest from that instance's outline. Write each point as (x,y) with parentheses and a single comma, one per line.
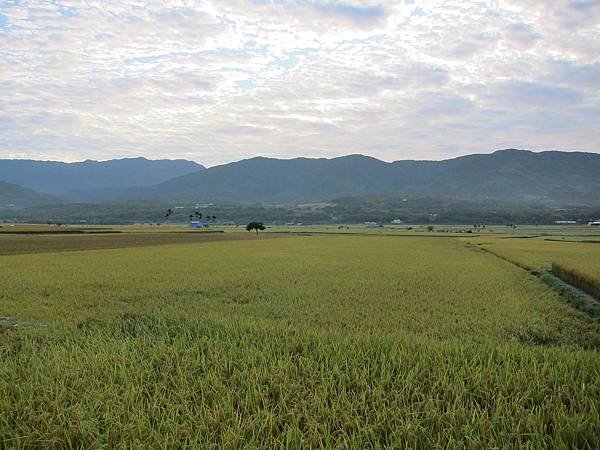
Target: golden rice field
(297,341)
(577,262)
(538,253)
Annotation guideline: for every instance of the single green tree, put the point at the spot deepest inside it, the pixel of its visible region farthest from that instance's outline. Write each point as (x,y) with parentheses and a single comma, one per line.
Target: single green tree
(256,226)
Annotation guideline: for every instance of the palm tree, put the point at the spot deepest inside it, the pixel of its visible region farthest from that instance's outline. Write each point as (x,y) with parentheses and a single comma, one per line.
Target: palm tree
(168,216)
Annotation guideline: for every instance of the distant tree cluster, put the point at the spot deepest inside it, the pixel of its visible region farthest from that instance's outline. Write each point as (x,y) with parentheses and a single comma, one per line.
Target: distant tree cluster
(381,209)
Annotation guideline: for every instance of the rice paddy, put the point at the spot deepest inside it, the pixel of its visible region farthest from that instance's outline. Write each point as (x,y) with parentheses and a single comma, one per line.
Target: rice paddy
(336,341)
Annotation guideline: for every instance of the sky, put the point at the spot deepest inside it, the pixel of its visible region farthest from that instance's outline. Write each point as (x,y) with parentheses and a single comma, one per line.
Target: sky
(219,81)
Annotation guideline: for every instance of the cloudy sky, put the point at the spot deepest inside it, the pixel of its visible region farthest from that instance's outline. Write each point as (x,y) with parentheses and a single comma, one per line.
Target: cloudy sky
(217,81)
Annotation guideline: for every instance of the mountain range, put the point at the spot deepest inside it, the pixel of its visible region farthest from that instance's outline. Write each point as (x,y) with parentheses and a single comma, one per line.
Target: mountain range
(54,177)
(552,178)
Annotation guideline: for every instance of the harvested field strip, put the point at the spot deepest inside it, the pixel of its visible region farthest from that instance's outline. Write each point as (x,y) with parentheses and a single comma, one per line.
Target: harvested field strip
(19,244)
(47,232)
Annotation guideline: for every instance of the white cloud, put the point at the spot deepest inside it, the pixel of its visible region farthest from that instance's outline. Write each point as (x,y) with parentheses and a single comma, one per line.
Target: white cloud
(217,81)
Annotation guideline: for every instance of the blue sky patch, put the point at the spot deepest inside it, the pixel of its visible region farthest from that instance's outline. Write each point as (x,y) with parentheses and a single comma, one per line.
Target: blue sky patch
(245,85)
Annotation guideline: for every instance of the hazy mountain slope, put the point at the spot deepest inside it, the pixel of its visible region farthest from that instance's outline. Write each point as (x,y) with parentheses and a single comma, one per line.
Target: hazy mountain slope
(14,196)
(508,174)
(554,178)
(522,175)
(59,177)
(273,180)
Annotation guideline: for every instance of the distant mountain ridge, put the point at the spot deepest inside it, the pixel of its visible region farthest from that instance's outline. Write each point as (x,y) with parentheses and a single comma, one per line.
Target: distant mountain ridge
(516,175)
(553,178)
(55,177)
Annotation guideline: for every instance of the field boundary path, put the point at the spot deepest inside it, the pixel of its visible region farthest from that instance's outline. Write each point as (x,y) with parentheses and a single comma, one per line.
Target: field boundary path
(568,292)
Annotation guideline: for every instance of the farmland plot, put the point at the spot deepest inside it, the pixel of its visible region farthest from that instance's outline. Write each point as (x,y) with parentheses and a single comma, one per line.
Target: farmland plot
(334,341)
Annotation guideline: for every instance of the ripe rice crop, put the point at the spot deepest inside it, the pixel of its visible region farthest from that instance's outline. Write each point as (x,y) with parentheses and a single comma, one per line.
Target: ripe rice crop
(540,253)
(314,341)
